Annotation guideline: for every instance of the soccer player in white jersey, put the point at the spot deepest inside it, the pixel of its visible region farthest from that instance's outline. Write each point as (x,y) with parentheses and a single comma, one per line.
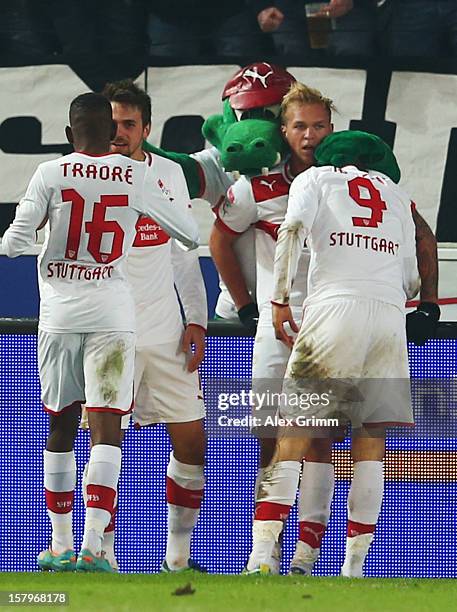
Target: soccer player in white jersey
(167,387)
(92,200)
(352,341)
(261,202)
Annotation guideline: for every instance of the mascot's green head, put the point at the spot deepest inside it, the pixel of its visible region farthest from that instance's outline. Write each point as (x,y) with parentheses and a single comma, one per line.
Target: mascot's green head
(362,149)
(247,134)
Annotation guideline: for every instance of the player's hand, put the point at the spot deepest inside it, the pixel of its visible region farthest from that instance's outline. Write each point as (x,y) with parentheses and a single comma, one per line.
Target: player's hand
(422,323)
(270,19)
(249,317)
(336,8)
(281,316)
(193,335)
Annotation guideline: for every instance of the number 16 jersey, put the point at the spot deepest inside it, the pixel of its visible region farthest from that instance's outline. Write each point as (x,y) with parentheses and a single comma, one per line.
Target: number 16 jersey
(92,204)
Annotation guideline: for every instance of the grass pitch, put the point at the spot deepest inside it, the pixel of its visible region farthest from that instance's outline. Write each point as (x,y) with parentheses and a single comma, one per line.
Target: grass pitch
(196,592)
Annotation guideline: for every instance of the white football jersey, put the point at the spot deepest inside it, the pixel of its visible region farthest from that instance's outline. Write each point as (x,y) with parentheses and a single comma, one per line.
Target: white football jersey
(360,232)
(215,184)
(214,180)
(155,265)
(261,202)
(92,204)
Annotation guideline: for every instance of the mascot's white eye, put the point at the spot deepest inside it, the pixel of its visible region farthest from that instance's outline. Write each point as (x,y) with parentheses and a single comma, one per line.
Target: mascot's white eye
(265,112)
(272,112)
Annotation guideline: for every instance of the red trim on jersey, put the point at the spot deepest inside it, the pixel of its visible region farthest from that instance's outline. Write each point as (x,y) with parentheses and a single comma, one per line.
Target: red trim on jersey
(58,412)
(269,228)
(311,533)
(149,158)
(95,154)
(355,529)
(225,228)
(287,172)
(99,496)
(179,496)
(60,502)
(278,304)
(441,302)
(197,325)
(413,206)
(268,187)
(201,176)
(219,203)
(269,511)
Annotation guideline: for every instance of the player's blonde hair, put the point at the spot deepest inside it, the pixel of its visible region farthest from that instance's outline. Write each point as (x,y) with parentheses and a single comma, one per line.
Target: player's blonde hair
(302,94)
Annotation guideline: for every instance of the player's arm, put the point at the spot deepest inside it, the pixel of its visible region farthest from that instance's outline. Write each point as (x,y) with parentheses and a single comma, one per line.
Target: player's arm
(190,167)
(173,213)
(422,323)
(234,218)
(221,246)
(301,212)
(427,258)
(31,215)
(191,290)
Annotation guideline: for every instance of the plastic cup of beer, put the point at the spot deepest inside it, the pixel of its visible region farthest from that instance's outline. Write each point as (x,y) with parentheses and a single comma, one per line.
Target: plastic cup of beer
(319,27)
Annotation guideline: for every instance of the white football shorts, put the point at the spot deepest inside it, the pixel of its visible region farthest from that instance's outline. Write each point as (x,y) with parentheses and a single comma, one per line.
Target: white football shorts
(352,354)
(269,363)
(92,368)
(165,392)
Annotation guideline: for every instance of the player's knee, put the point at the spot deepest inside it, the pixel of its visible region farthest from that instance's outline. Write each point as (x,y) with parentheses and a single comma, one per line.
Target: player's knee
(267,451)
(105,428)
(192,452)
(319,450)
(63,429)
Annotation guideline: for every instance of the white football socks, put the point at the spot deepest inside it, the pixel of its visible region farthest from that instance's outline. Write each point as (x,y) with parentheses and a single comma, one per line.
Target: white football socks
(59,484)
(276,493)
(102,481)
(185,485)
(364,506)
(108,536)
(314,502)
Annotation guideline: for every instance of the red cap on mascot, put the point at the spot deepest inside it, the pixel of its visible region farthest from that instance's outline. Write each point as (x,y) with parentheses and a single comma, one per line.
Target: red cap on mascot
(257,85)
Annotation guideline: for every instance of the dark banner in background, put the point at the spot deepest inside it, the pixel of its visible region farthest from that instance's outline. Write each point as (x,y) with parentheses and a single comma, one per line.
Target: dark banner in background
(412,106)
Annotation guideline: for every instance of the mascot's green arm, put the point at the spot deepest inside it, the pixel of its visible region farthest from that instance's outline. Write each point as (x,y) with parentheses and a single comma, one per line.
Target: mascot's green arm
(189,165)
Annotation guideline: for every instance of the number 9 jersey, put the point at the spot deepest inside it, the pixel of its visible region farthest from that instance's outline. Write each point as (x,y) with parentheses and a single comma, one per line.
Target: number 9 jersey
(92,204)
(360,233)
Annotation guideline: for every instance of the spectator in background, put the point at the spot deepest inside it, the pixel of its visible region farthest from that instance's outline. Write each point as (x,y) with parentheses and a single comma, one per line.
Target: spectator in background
(356,27)
(189,29)
(106,37)
(285,22)
(421,28)
(19,41)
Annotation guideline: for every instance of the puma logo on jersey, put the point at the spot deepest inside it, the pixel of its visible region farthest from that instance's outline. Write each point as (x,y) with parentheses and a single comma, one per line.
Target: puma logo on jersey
(269,187)
(268,184)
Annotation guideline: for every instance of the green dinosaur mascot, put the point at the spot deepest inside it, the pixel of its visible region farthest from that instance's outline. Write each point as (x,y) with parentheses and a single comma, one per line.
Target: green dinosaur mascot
(246,139)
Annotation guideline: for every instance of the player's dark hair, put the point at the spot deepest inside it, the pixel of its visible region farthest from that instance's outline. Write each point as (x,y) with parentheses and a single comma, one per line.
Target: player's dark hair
(91,116)
(126,92)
